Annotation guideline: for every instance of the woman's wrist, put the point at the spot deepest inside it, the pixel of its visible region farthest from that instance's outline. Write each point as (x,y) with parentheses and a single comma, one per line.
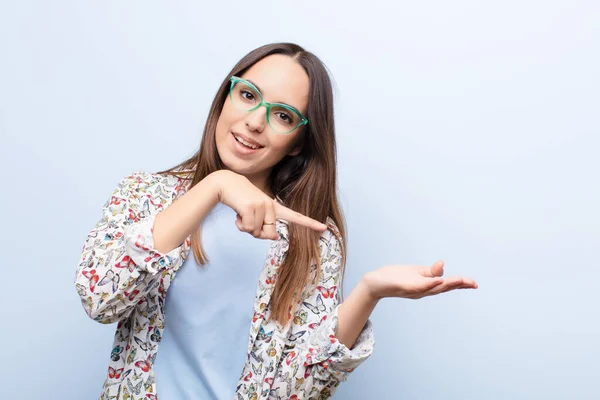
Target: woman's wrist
(369,289)
(215,182)
(220,180)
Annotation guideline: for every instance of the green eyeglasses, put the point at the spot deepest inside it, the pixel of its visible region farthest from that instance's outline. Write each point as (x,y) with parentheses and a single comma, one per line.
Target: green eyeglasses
(281,117)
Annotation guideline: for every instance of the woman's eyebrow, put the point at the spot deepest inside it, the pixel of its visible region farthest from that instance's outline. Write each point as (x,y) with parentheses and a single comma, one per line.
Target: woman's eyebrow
(255,85)
(261,92)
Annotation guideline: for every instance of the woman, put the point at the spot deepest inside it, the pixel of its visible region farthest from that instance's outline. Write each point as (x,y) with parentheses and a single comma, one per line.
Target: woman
(267,161)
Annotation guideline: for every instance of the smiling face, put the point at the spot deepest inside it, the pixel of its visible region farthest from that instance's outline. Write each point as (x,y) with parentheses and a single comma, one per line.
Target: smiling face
(246,143)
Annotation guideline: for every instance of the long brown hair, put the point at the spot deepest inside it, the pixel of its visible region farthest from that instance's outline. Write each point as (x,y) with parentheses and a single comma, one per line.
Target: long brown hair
(306,183)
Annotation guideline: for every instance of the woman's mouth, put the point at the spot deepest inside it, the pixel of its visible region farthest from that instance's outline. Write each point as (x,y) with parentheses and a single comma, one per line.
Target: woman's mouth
(244,145)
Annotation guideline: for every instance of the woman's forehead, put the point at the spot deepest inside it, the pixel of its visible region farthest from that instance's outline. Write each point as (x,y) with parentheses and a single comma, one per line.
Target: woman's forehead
(280,79)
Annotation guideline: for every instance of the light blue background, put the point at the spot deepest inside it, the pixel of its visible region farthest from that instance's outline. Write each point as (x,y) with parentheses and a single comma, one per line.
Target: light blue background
(468,132)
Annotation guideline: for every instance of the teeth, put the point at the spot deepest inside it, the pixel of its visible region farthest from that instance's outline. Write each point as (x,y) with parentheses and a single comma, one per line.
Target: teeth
(242,141)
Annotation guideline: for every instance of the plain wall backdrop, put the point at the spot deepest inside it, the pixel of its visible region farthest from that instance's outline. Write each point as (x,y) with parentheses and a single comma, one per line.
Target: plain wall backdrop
(468,131)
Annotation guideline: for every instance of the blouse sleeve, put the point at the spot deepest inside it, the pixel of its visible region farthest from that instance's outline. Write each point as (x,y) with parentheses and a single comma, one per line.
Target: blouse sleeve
(118,265)
(315,362)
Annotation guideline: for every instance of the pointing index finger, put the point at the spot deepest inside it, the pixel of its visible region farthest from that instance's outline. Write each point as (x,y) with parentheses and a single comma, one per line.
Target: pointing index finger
(285,213)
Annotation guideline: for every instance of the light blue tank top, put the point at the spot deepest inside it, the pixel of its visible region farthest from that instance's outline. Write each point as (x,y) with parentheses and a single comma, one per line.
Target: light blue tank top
(208,311)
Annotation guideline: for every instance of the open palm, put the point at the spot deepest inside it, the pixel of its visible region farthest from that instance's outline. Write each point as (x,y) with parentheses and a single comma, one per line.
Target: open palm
(414,281)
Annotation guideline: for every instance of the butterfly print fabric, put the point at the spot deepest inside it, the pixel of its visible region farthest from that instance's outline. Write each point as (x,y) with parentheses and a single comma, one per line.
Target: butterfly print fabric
(121,278)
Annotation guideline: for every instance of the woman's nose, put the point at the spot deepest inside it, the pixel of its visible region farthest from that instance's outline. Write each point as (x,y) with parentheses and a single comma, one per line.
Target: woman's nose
(257,119)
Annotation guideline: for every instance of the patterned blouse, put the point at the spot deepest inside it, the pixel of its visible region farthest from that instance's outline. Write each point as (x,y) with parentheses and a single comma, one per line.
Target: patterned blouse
(122,278)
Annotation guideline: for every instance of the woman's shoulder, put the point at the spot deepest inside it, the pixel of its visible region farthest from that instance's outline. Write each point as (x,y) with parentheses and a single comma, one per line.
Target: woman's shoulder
(332,227)
(151,184)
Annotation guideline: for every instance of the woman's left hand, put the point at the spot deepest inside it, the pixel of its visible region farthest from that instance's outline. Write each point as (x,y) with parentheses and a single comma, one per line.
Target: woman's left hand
(413,281)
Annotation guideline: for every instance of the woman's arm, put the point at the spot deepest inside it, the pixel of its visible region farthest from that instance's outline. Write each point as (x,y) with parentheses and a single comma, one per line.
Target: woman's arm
(252,206)
(407,281)
(120,261)
(329,340)
(180,219)
(353,314)
(136,239)
(314,361)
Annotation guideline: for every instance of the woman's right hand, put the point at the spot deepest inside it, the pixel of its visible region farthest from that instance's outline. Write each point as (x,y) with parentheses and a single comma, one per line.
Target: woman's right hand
(256,211)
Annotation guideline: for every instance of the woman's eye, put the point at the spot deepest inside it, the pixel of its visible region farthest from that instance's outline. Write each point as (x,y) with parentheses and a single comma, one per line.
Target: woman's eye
(247,95)
(284,117)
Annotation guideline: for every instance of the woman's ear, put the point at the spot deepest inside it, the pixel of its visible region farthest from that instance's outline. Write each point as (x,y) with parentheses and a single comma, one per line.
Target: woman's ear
(297,146)
(296,150)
